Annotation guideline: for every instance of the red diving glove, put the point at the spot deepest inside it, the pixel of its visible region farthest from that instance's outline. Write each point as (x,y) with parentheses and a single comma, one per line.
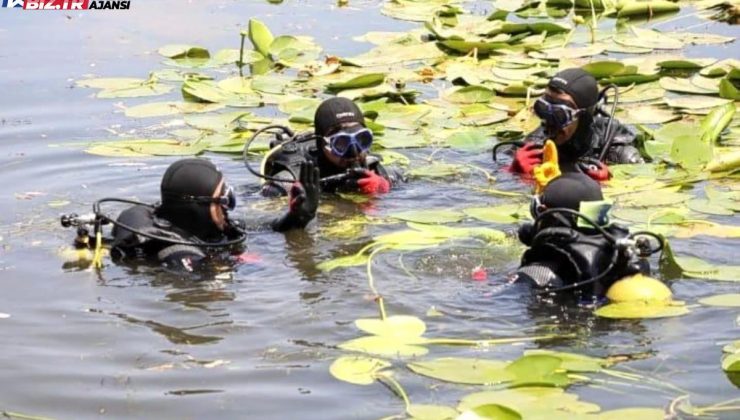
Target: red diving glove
(372,183)
(596,170)
(526,158)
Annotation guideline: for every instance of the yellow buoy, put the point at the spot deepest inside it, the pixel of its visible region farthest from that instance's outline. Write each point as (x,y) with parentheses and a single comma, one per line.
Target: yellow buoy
(638,287)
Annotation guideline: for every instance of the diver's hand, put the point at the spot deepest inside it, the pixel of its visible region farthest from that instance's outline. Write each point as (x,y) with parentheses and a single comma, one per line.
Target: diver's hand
(370,183)
(526,158)
(304,194)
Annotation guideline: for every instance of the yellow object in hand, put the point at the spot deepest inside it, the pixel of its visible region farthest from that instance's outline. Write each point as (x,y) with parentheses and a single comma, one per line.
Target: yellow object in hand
(549,169)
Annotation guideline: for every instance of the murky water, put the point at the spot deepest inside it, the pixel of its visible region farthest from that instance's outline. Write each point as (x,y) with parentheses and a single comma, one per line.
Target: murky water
(133,342)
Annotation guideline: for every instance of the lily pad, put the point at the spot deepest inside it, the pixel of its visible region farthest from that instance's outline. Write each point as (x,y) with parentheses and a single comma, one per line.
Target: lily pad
(731,363)
(145,147)
(431,412)
(632,414)
(384,346)
(357,370)
(470,95)
(504,213)
(464,371)
(642,309)
(429,216)
(347,261)
(398,326)
(731,300)
(469,140)
(491,412)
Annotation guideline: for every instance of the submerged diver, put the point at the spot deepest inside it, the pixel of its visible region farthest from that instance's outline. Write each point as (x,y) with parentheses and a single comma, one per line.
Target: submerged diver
(569,250)
(339,148)
(192,218)
(586,137)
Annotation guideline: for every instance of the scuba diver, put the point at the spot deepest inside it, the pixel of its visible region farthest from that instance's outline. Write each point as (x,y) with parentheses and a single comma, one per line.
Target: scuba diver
(192,219)
(571,248)
(587,137)
(339,147)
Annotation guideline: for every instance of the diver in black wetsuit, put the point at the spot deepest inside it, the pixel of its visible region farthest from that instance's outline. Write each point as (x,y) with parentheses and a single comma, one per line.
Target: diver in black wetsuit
(564,254)
(339,147)
(192,218)
(572,118)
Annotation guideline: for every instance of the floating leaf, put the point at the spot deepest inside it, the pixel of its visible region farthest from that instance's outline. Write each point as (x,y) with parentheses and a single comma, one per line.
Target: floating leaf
(732,348)
(536,402)
(161,109)
(464,370)
(572,362)
(429,216)
(731,300)
(682,85)
(467,46)
(538,370)
(695,102)
(728,90)
(402,327)
(437,170)
(260,36)
(731,363)
(470,95)
(347,261)
(366,80)
(709,207)
(469,140)
(647,114)
(357,369)
(145,147)
(504,213)
(642,309)
(601,69)
(645,8)
(431,412)
(491,412)
(632,414)
(384,346)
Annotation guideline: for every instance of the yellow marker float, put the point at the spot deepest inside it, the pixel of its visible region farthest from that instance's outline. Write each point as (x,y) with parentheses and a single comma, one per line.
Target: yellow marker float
(549,169)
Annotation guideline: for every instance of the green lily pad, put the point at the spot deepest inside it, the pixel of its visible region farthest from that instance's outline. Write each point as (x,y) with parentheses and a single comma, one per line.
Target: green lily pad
(438,170)
(632,414)
(431,412)
(347,261)
(531,401)
(695,101)
(504,213)
(601,69)
(145,147)
(538,370)
(364,81)
(161,109)
(357,370)
(732,348)
(384,346)
(470,95)
(260,36)
(469,140)
(573,362)
(683,85)
(731,363)
(701,205)
(731,300)
(429,216)
(399,326)
(641,309)
(492,412)
(464,370)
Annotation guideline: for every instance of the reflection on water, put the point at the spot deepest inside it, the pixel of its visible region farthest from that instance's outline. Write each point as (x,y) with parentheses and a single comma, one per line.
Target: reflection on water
(256,342)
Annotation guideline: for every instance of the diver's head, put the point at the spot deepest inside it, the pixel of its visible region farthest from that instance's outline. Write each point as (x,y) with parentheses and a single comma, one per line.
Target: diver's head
(341,133)
(566,110)
(195,198)
(566,191)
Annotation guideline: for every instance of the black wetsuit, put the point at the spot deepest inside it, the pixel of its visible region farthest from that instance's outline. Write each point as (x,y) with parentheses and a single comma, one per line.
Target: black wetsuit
(127,244)
(286,164)
(560,254)
(589,140)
